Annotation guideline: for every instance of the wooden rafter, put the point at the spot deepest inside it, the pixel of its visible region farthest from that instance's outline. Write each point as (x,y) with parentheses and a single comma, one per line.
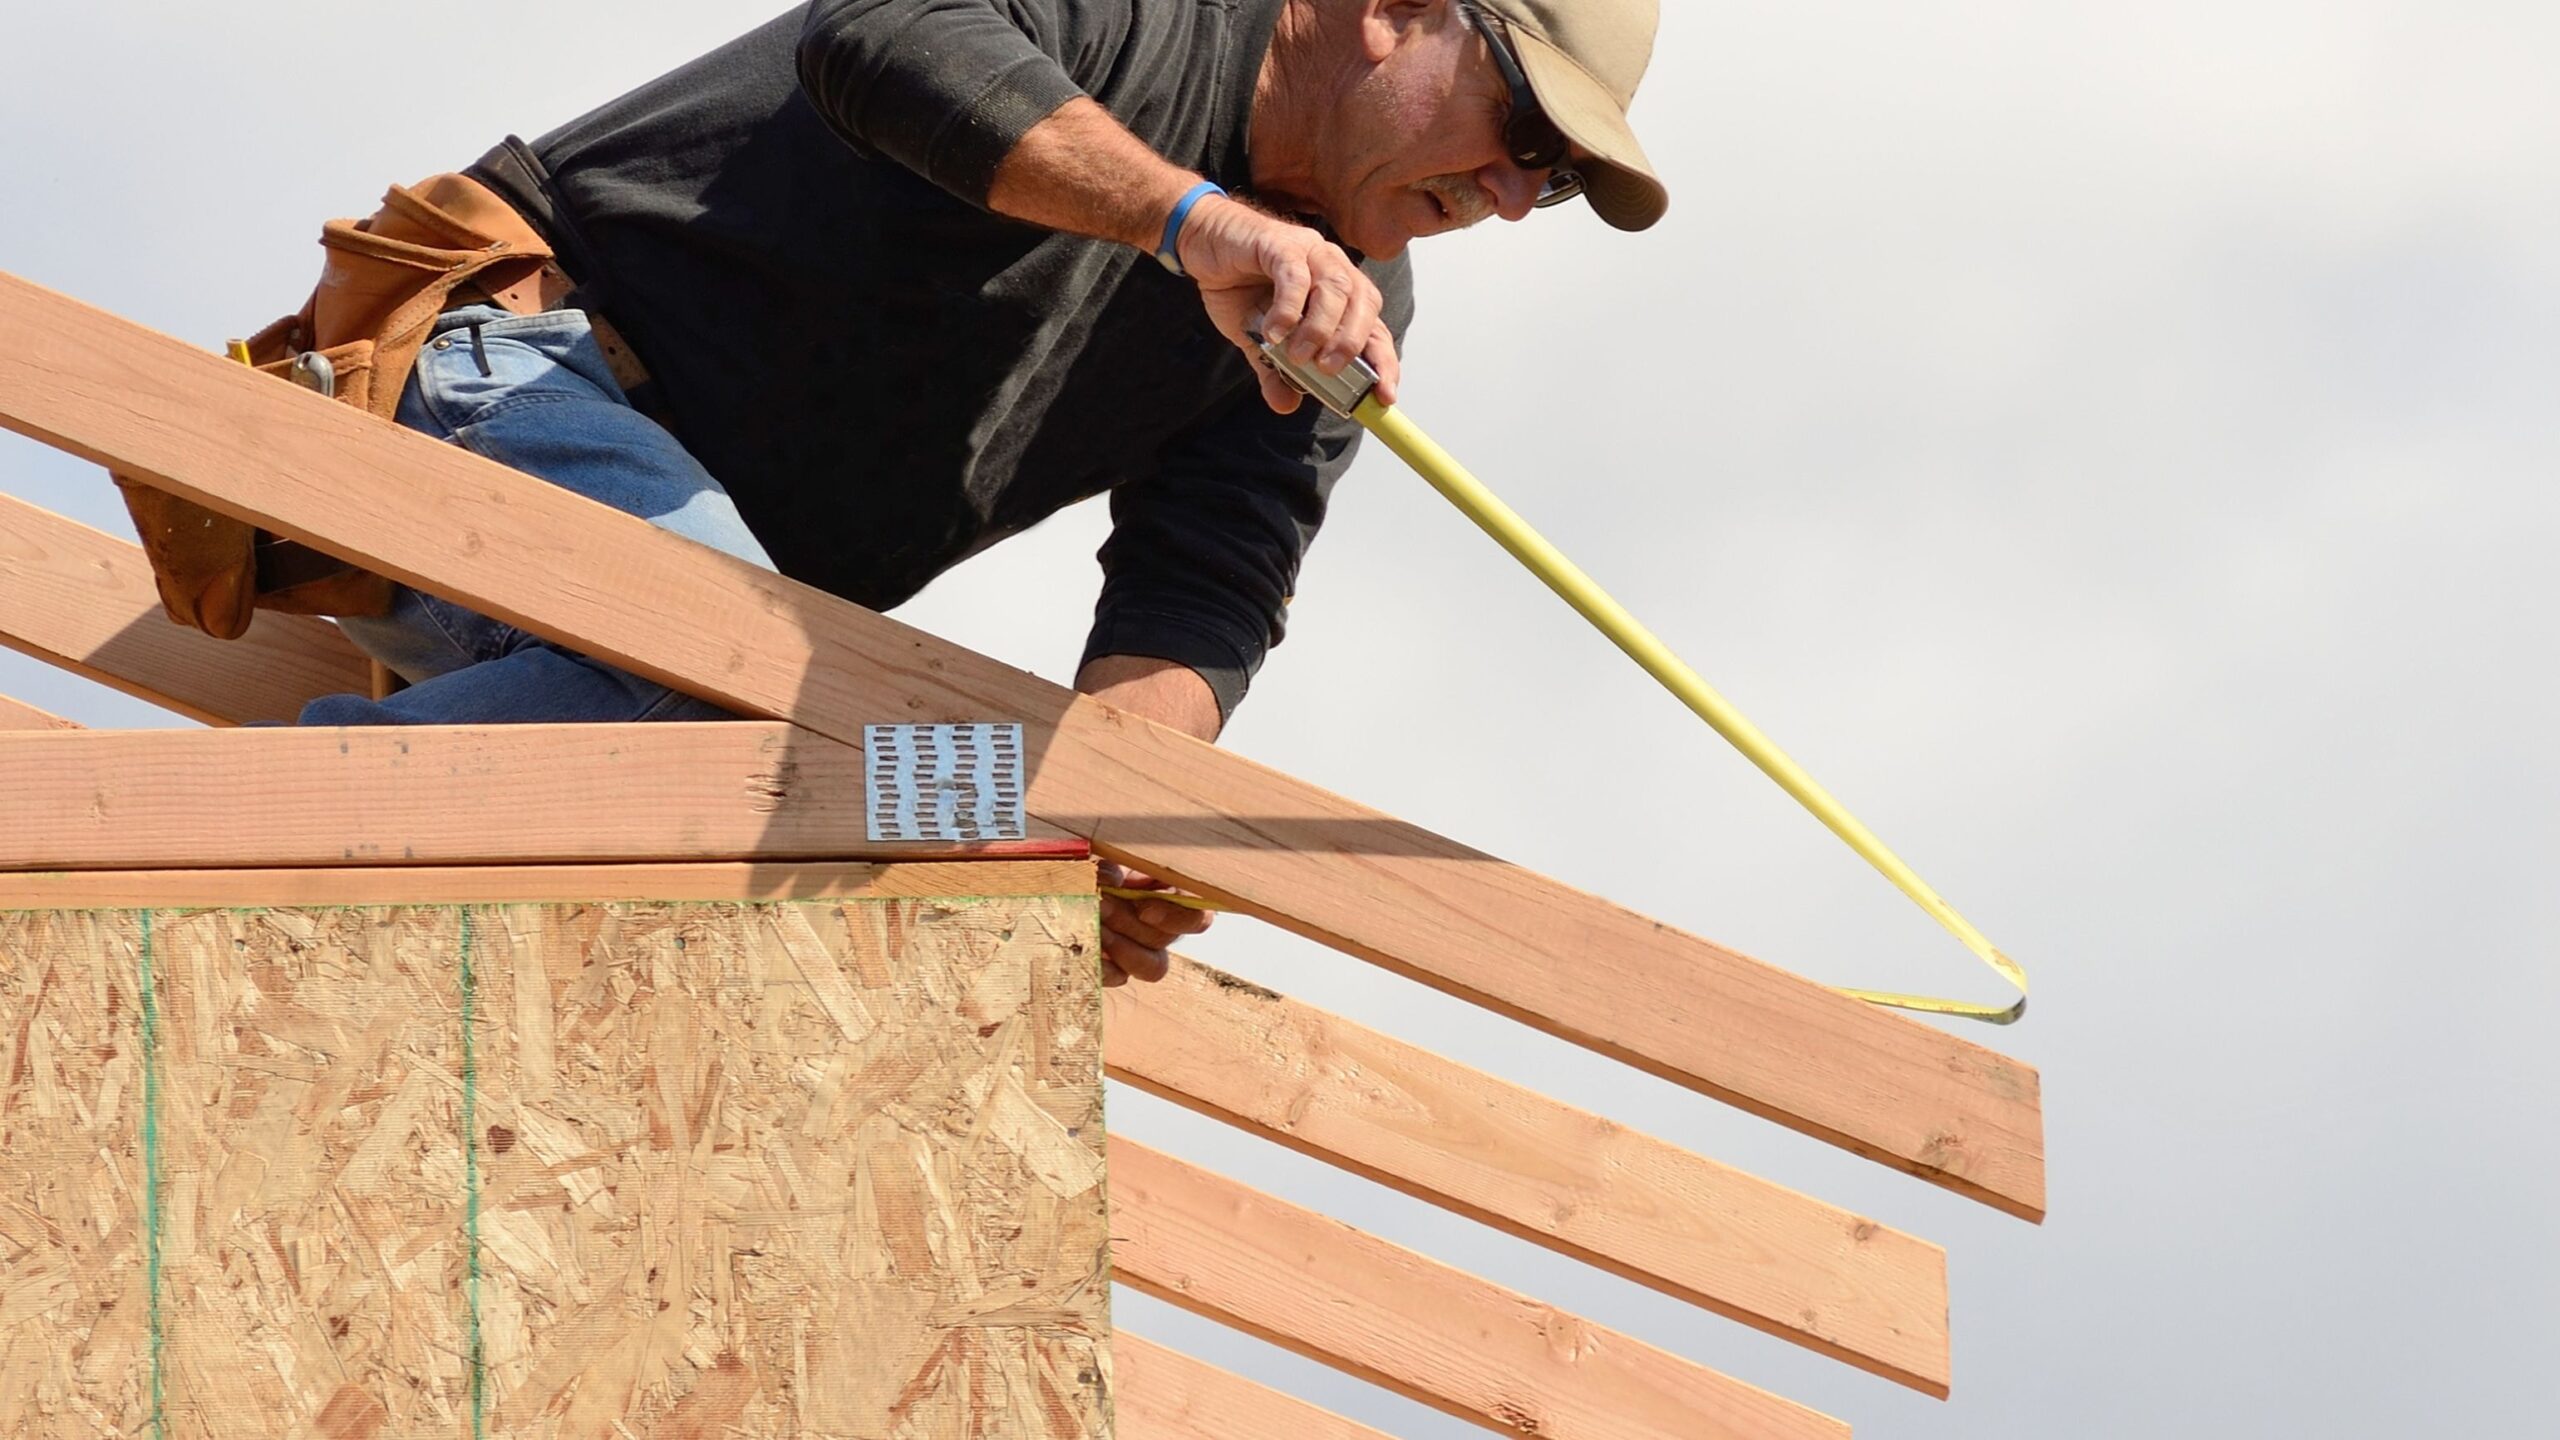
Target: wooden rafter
(1329,1087)
(81,599)
(1883,1086)
(1428,1331)
(1167,1395)
(19,715)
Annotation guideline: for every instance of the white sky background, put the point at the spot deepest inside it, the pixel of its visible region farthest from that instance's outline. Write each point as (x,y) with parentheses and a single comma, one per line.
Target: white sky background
(2113,447)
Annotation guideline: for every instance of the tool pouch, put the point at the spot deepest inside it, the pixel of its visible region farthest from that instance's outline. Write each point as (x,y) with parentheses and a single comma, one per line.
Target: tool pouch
(385,280)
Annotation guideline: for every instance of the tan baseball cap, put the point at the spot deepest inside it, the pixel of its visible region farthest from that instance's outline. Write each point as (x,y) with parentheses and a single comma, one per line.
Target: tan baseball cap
(1584,58)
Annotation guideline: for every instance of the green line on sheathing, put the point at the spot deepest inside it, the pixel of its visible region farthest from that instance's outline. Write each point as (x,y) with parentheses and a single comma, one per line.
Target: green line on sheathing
(471,1195)
(151,1221)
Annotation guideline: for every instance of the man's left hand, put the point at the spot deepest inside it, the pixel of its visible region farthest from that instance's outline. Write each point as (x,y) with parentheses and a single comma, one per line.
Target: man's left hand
(1137,933)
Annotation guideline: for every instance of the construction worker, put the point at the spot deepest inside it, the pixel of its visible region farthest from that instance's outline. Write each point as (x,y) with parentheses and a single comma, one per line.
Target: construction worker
(884,281)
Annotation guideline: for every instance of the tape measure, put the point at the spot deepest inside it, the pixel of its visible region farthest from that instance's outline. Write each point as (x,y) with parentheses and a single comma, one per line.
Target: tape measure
(1350,395)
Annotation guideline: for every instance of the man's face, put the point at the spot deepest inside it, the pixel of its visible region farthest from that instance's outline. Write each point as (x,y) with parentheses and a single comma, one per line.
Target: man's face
(1419,147)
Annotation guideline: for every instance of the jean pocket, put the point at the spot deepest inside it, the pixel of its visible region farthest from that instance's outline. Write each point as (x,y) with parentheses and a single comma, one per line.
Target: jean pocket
(476,367)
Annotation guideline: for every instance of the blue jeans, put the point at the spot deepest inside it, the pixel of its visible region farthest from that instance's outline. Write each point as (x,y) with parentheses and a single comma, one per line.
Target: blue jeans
(533,392)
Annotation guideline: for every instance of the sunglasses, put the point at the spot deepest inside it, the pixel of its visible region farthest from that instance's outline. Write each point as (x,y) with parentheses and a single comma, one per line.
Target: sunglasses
(1533,141)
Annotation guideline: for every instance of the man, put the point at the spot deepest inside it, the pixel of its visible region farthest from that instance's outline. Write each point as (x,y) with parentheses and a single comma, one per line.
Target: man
(887,266)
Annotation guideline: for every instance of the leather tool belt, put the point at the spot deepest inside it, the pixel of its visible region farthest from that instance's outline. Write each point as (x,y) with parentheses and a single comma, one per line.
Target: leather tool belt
(447,241)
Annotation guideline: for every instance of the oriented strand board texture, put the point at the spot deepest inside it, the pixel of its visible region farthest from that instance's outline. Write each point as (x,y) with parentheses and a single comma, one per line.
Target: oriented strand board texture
(828,1170)
(74,1314)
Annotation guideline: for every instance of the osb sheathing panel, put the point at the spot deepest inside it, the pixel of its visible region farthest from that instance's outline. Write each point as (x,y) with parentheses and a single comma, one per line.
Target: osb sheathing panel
(828,1170)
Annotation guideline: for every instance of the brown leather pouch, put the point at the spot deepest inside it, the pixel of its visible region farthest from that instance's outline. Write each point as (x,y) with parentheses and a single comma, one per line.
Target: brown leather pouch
(385,280)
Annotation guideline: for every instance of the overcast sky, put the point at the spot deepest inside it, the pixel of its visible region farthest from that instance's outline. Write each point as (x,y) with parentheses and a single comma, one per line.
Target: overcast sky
(2113,447)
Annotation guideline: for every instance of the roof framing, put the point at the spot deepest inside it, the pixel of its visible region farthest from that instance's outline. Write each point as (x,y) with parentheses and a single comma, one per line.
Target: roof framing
(1395,1113)
(1834,1282)
(1428,1331)
(107,803)
(1399,896)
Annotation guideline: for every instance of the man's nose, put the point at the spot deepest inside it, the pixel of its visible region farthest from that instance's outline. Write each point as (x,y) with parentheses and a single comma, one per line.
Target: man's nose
(1514,190)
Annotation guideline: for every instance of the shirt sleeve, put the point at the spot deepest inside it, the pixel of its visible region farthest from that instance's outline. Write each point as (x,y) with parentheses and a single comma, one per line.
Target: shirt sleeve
(946,88)
(1204,553)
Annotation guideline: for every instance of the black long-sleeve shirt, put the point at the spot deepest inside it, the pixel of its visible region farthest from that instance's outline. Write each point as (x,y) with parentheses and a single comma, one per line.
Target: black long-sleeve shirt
(888,377)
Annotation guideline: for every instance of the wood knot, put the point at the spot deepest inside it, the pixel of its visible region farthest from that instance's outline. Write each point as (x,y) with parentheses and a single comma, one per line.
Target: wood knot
(1237,984)
(501,1139)
(770,790)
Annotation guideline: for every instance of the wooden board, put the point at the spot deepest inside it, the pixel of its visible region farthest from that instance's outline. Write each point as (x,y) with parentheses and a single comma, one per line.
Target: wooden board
(1827,1279)
(1167,1395)
(1423,1329)
(83,599)
(825,1168)
(19,715)
(433,795)
(1881,1085)
(516,884)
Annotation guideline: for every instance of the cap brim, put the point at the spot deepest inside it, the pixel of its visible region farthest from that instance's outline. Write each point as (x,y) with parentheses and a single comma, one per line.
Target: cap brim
(1617,179)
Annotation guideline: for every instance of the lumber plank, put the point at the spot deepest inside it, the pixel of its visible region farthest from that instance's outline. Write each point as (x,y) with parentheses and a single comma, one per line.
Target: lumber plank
(1163,1394)
(529,884)
(1428,1331)
(438,795)
(1773,1043)
(1784,1263)
(19,715)
(83,599)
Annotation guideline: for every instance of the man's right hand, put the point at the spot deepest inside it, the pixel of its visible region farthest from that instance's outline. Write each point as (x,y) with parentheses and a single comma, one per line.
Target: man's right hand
(1258,272)
(1080,170)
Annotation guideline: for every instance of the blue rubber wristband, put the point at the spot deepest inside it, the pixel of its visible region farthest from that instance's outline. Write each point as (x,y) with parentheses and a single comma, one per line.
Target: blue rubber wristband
(1165,253)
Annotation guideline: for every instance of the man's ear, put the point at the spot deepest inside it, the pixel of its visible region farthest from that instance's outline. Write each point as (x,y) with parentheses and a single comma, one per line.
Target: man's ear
(1384,24)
